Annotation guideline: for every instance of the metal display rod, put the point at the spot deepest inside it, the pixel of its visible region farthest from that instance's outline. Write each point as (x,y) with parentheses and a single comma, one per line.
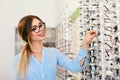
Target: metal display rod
(102,38)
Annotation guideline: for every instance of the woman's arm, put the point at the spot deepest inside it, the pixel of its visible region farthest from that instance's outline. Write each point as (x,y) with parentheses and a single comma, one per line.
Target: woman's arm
(81,61)
(88,39)
(72,65)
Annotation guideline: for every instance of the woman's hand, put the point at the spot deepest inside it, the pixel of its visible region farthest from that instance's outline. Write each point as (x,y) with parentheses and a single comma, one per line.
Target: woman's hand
(88,39)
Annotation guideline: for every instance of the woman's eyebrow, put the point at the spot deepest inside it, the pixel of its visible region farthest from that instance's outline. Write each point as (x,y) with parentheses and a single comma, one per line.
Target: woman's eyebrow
(34,26)
(40,22)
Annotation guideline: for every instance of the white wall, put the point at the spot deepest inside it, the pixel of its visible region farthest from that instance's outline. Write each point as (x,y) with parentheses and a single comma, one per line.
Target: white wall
(62,5)
(10,13)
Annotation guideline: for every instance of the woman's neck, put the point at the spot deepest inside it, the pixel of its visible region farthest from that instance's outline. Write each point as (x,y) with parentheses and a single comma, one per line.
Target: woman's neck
(37,50)
(37,47)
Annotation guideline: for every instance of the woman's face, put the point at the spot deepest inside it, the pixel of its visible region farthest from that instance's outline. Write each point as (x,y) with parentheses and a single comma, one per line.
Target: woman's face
(38,30)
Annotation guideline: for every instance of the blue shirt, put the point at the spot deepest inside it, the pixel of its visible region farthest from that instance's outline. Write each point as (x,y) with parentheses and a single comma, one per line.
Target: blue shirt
(47,68)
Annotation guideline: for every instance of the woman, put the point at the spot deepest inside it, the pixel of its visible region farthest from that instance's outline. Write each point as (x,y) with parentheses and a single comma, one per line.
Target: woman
(36,62)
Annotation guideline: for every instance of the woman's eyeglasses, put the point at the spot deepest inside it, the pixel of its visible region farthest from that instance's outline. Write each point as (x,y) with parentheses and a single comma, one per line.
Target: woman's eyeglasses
(37,29)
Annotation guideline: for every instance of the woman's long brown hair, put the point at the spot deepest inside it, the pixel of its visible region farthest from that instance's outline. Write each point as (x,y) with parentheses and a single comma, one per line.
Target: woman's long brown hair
(24,28)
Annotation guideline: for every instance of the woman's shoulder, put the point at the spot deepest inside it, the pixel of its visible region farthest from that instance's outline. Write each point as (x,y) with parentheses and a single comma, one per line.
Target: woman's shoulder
(16,58)
(50,49)
(17,55)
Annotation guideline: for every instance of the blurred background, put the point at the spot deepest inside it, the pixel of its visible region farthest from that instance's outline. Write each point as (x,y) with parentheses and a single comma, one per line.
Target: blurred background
(67,22)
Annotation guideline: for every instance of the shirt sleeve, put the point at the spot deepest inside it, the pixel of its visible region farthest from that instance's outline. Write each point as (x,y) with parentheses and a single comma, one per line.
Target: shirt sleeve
(72,65)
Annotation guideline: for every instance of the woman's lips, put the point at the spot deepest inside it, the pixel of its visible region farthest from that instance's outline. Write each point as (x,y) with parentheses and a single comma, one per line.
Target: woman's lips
(41,34)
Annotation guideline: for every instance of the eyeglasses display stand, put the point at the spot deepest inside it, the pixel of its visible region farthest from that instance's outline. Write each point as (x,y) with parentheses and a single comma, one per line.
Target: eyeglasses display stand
(104,52)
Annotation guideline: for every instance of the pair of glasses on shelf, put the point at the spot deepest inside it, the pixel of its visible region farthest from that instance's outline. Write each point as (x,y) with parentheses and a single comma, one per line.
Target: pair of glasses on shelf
(117,60)
(92,59)
(110,8)
(93,67)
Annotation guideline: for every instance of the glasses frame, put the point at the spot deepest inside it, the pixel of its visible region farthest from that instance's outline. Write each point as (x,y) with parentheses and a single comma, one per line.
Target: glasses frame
(37,29)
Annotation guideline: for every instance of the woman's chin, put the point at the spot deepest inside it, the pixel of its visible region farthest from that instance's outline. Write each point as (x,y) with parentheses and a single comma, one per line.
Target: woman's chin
(42,38)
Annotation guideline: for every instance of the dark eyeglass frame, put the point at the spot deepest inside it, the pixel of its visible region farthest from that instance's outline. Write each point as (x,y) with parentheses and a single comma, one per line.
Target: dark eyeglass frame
(37,29)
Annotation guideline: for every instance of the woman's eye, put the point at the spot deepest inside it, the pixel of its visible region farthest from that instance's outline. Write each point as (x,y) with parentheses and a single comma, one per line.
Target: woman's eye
(40,25)
(33,29)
